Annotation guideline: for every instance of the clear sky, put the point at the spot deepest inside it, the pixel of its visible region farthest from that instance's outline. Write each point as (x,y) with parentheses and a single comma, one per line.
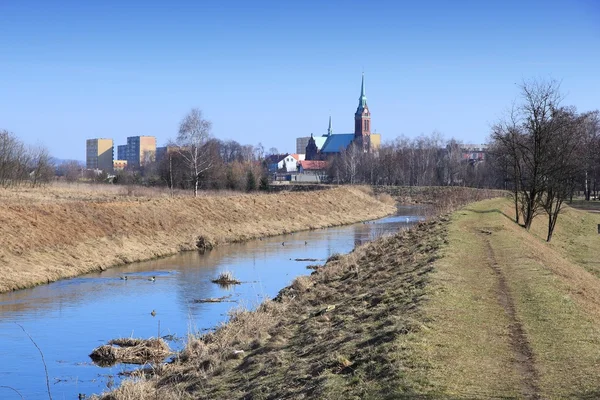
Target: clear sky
(270,71)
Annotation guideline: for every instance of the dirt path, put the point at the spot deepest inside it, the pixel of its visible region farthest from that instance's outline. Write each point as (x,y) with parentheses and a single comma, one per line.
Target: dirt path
(523,354)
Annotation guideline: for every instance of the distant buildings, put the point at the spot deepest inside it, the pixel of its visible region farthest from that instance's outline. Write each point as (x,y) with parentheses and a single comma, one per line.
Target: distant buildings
(122,152)
(473,153)
(99,154)
(302,142)
(283,162)
(321,147)
(139,151)
(119,165)
(163,152)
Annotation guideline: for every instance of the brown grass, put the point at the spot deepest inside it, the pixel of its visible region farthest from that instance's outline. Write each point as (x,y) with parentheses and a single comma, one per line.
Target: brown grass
(474,307)
(62,231)
(337,334)
(131,351)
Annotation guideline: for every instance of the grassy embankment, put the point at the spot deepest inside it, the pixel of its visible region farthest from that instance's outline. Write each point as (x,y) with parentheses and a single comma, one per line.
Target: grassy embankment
(63,231)
(470,306)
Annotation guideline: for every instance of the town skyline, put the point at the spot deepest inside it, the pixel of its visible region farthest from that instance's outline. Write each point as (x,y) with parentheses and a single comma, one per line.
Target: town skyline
(270,73)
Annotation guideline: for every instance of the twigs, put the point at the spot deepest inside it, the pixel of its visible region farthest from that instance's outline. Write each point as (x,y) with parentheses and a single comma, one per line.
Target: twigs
(14,390)
(43,360)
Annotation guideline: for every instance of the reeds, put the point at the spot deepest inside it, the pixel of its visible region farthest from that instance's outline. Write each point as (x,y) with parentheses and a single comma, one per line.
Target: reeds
(226,278)
(130,351)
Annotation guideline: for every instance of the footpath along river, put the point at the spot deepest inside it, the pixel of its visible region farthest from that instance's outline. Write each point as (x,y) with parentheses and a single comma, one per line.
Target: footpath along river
(69,318)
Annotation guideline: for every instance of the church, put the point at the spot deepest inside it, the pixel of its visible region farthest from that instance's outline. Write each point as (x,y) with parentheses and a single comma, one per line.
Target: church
(321,147)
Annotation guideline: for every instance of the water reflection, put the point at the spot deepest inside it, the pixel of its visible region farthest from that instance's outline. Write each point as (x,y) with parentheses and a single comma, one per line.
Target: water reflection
(69,318)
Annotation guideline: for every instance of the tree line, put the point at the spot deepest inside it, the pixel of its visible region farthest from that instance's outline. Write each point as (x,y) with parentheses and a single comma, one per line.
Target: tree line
(21,164)
(422,161)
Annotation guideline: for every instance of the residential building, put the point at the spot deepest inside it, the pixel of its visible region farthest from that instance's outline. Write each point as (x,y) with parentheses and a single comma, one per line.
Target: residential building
(162,152)
(473,152)
(99,154)
(122,152)
(141,150)
(119,165)
(283,162)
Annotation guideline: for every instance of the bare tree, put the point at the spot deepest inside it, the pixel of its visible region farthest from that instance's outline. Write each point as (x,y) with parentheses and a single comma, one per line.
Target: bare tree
(561,173)
(194,134)
(14,160)
(41,166)
(529,136)
(590,150)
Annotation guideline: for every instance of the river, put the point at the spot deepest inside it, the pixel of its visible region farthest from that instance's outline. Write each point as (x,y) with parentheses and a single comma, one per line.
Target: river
(69,318)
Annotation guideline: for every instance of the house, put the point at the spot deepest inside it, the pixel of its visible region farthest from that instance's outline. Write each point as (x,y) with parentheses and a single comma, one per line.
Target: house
(312,167)
(283,162)
(473,153)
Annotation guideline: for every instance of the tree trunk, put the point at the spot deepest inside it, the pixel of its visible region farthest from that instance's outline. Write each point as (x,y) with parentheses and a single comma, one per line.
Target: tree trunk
(517,207)
(171,173)
(550,227)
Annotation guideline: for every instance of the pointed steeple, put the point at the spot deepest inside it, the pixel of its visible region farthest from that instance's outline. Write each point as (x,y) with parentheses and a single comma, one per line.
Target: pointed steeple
(329,130)
(362,101)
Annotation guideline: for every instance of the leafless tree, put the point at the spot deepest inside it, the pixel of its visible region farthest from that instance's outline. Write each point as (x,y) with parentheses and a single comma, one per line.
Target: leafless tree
(70,170)
(41,166)
(14,160)
(194,134)
(590,150)
(562,171)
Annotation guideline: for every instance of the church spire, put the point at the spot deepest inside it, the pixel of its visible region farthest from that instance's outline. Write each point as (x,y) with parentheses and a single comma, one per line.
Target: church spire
(329,130)
(362,101)
(362,117)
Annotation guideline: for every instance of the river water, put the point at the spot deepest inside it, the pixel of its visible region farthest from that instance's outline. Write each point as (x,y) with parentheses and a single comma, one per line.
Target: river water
(69,318)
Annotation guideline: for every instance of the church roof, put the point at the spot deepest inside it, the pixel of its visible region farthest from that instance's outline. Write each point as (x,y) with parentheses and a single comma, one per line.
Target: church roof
(337,142)
(320,141)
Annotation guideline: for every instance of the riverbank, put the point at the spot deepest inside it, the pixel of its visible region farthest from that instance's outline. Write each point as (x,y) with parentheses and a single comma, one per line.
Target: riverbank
(467,306)
(47,235)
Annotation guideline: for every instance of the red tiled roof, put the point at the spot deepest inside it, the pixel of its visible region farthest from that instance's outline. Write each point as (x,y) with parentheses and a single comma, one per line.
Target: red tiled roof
(313,164)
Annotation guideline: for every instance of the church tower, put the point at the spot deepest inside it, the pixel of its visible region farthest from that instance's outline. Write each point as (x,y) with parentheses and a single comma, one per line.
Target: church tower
(362,118)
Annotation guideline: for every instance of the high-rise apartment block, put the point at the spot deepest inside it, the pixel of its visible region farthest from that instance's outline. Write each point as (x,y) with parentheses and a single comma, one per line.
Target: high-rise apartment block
(141,150)
(122,152)
(99,154)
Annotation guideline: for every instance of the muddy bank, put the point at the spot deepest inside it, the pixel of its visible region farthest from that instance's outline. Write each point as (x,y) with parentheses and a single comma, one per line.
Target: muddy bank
(44,242)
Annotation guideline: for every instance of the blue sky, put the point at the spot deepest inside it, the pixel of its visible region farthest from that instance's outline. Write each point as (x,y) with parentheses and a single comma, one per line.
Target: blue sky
(269,71)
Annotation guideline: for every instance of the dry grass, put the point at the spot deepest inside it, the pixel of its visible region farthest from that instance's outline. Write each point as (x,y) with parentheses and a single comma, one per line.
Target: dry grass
(131,351)
(444,199)
(592,205)
(140,389)
(226,278)
(377,323)
(44,239)
(340,333)
(470,342)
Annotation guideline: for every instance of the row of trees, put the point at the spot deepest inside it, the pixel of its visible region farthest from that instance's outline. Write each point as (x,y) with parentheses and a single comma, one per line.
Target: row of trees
(21,164)
(422,161)
(546,152)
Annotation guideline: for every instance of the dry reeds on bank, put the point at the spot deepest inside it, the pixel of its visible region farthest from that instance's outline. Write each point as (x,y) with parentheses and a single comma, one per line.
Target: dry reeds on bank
(130,351)
(226,278)
(63,231)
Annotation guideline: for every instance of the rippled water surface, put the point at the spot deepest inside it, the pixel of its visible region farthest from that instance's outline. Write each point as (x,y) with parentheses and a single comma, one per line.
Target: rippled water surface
(68,319)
